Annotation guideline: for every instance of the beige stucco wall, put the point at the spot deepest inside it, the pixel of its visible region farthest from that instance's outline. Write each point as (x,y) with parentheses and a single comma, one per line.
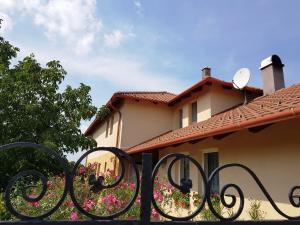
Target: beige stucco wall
(210,101)
(102,141)
(99,134)
(223,99)
(142,121)
(105,161)
(273,154)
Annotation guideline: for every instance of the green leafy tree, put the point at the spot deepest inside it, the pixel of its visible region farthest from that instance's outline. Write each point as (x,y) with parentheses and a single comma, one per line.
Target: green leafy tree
(33,109)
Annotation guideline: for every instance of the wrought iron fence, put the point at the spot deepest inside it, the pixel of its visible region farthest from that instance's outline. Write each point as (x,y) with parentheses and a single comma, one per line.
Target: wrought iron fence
(144,186)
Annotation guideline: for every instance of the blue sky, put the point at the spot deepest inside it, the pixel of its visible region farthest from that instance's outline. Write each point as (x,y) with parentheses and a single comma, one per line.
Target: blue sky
(154,45)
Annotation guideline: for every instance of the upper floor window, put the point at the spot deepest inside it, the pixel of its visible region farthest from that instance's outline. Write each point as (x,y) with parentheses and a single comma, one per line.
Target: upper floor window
(111,125)
(180,118)
(194,112)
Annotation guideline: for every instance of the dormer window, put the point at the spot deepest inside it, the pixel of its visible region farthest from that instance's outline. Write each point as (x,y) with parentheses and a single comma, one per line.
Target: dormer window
(194,112)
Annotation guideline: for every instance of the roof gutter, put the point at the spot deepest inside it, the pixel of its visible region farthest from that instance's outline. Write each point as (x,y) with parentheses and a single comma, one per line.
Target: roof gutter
(277,117)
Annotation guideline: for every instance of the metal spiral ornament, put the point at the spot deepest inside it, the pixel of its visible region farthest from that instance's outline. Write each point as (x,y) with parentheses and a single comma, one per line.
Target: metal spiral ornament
(184,186)
(97,183)
(291,195)
(37,176)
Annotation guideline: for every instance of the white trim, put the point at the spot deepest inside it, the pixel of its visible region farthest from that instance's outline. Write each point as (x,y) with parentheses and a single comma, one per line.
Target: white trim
(210,150)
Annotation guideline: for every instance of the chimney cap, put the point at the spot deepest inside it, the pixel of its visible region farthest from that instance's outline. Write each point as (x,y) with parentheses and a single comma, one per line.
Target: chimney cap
(206,72)
(271,60)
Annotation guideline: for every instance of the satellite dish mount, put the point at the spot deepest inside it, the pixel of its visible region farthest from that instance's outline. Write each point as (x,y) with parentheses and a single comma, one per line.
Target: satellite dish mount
(240,80)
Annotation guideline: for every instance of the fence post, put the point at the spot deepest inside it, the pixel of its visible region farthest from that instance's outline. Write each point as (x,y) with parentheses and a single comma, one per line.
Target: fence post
(146,189)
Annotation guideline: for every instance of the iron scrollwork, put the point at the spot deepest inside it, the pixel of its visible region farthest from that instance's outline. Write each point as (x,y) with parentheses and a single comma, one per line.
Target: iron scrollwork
(236,215)
(36,175)
(184,186)
(97,184)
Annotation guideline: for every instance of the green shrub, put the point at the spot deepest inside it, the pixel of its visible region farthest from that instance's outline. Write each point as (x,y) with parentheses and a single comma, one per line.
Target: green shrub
(255,213)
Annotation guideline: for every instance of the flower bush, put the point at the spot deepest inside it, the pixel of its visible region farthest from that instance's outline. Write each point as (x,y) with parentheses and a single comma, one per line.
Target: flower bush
(108,201)
(105,202)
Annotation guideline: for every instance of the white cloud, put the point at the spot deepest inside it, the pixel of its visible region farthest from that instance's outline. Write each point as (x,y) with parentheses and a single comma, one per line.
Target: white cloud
(122,71)
(84,45)
(67,18)
(138,7)
(114,39)
(6,24)
(73,21)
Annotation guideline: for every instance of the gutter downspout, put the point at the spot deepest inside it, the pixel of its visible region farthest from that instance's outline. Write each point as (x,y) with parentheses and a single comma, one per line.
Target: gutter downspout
(119,122)
(118,131)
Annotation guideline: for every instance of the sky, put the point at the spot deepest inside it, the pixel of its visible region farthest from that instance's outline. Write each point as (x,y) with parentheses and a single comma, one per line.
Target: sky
(157,45)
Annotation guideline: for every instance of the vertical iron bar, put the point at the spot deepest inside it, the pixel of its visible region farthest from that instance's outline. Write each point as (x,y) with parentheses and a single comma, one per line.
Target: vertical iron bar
(146,188)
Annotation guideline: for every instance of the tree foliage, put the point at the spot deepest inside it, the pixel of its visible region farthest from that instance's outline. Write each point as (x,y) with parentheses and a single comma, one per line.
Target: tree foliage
(103,112)
(33,109)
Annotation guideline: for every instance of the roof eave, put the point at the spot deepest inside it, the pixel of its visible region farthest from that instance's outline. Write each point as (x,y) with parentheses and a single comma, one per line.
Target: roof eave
(276,117)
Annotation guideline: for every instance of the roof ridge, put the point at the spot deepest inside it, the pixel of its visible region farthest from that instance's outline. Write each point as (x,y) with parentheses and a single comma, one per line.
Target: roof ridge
(144,92)
(212,79)
(242,105)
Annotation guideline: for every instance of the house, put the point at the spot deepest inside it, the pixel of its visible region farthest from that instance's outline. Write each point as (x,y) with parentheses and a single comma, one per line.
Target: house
(211,122)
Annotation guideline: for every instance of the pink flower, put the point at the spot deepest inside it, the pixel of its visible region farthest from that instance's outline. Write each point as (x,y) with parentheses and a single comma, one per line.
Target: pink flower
(82,170)
(155,195)
(154,214)
(170,187)
(158,196)
(138,199)
(74,216)
(110,201)
(49,184)
(34,204)
(88,204)
(132,186)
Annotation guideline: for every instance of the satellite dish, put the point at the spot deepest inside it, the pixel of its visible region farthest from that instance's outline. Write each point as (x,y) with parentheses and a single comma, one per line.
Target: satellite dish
(241,78)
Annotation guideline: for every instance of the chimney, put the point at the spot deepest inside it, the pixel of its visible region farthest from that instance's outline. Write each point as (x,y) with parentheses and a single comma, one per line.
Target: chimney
(206,72)
(272,74)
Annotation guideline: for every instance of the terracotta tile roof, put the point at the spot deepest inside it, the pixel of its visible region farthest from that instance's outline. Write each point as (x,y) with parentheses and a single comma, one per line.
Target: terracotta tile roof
(164,97)
(161,96)
(210,80)
(280,105)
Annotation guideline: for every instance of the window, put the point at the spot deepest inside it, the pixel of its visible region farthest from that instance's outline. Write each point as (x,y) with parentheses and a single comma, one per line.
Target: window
(211,162)
(107,126)
(105,165)
(194,112)
(98,168)
(180,118)
(111,124)
(184,168)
